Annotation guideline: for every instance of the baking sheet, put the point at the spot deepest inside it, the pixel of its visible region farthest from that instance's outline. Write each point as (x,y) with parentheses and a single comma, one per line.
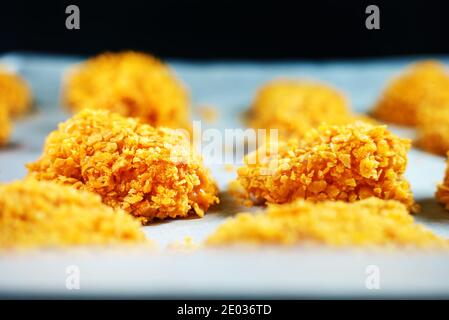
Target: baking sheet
(268,272)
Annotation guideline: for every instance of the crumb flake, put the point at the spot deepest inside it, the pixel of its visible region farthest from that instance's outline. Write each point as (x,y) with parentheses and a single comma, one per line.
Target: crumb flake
(208,113)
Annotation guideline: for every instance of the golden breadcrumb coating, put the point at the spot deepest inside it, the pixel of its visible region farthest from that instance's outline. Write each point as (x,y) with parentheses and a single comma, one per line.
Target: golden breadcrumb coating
(5,125)
(433,122)
(132,84)
(294,107)
(15,93)
(349,163)
(42,213)
(403,95)
(149,172)
(442,193)
(369,222)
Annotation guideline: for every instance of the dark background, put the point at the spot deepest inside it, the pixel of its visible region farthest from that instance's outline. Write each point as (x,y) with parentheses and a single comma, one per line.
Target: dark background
(228,29)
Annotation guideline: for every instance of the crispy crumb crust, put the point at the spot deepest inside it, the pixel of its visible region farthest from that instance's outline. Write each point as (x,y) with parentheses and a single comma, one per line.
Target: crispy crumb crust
(149,172)
(442,193)
(403,95)
(349,163)
(369,222)
(294,107)
(15,93)
(433,123)
(132,84)
(42,213)
(5,125)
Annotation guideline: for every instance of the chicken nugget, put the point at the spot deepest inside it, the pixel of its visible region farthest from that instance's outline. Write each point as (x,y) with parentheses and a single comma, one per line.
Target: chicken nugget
(15,94)
(149,172)
(5,125)
(368,223)
(46,214)
(130,83)
(403,96)
(348,163)
(294,107)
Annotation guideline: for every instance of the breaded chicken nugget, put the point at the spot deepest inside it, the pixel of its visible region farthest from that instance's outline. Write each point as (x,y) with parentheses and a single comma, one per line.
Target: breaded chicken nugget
(433,122)
(149,172)
(5,125)
(369,222)
(403,96)
(41,213)
(348,162)
(132,84)
(442,193)
(294,107)
(15,94)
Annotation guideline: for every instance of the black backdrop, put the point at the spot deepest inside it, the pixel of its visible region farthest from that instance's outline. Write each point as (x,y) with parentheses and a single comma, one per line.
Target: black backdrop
(312,29)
